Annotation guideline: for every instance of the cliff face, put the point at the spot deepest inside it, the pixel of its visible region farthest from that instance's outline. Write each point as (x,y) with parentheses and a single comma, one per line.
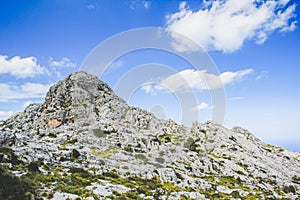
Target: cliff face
(84,141)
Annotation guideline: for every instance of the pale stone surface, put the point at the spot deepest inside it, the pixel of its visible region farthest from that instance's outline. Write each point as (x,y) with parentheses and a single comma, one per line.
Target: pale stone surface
(61,195)
(83,113)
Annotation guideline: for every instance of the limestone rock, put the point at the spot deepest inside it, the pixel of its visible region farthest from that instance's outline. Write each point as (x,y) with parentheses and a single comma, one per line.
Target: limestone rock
(87,142)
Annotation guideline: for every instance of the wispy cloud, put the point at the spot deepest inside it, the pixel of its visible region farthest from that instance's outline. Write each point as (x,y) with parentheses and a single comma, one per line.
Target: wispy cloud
(203,106)
(230,77)
(27,103)
(21,67)
(90,7)
(116,65)
(137,4)
(64,62)
(225,25)
(235,98)
(186,80)
(5,114)
(146,4)
(148,88)
(26,91)
(262,75)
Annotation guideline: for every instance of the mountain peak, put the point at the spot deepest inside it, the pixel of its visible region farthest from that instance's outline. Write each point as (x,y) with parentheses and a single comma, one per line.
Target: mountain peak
(79,97)
(77,86)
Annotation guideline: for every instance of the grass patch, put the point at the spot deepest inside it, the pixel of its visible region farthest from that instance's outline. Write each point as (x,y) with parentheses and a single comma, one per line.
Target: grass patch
(74,181)
(165,138)
(106,153)
(244,166)
(221,156)
(149,187)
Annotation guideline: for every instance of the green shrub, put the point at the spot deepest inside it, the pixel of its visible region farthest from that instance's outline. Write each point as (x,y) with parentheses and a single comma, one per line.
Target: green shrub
(80,171)
(296,178)
(128,148)
(12,187)
(33,167)
(111,174)
(12,158)
(165,138)
(235,194)
(289,189)
(6,150)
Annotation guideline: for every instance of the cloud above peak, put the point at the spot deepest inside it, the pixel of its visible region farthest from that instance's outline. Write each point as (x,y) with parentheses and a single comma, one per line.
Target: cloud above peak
(189,79)
(203,106)
(138,4)
(28,90)
(225,25)
(64,62)
(21,67)
(5,114)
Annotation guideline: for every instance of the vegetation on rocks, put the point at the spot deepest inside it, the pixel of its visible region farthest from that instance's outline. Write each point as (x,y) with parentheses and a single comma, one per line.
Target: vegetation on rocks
(12,187)
(99,147)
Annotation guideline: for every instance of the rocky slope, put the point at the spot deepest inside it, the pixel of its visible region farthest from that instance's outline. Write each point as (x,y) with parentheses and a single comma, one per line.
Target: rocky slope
(84,142)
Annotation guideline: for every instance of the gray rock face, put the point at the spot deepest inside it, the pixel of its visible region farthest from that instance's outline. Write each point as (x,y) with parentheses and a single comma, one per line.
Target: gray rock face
(84,129)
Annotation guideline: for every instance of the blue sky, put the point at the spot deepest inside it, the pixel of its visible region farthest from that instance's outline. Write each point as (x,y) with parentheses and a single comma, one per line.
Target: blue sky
(255,46)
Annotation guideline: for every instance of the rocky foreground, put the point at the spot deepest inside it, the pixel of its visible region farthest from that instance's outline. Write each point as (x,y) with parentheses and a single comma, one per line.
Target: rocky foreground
(84,142)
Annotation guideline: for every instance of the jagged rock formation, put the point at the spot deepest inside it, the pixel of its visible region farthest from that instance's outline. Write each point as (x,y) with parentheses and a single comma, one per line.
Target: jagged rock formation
(86,142)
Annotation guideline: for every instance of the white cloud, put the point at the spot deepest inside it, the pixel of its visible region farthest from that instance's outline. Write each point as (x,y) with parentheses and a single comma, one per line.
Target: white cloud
(90,7)
(136,4)
(146,4)
(5,114)
(225,25)
(229,77)
(35,88)
(20,67)
(188,79)
(203,106)
(236,98)
(147,88)
(116,65)
(25,91)
(27,103)
(262,75)
(64,62)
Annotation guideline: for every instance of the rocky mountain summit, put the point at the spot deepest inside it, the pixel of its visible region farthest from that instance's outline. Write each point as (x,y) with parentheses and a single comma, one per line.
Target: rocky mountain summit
(84,142)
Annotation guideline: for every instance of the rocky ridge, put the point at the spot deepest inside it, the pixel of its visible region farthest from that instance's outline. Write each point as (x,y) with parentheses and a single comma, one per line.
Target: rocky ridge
(85,142)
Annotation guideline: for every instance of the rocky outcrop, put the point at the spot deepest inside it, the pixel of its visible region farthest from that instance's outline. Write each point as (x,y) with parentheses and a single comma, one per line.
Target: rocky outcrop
(86,142)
